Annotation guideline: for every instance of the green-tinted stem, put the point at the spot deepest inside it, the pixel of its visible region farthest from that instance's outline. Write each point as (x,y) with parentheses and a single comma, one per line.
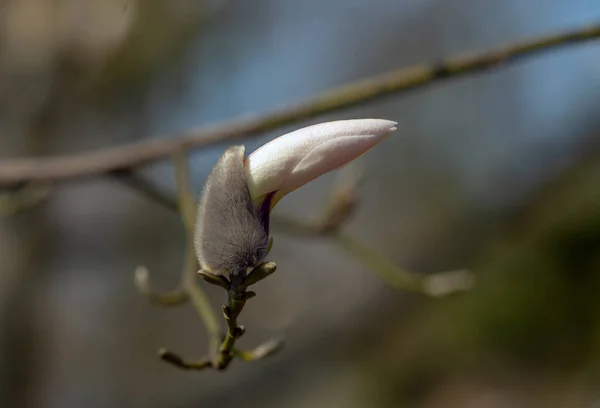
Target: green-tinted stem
(177,361)
(266,349)
(384,269)
(196,294)
(236,299)
(175,297)
(23,198)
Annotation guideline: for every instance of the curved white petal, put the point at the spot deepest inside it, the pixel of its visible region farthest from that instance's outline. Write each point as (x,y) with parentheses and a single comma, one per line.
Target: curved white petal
(292,160)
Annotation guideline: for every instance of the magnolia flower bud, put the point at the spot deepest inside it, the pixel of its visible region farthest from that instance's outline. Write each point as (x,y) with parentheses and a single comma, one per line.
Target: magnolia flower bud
(229,234)
(292,160)
(232,231)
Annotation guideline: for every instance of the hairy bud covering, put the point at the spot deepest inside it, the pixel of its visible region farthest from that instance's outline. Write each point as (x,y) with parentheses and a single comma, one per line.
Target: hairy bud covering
(229,234)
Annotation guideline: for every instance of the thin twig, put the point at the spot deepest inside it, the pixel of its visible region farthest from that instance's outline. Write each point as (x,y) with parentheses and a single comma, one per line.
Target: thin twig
(22,198)
(189,290)
(176,297)
(437,284)
(196,294)
(340,206)
(266,349)
(177,361)
(383,268)
(237,295)
(14,171)
(342,203)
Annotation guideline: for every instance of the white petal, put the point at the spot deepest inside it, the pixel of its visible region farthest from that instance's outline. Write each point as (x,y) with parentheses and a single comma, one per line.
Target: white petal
(294,159)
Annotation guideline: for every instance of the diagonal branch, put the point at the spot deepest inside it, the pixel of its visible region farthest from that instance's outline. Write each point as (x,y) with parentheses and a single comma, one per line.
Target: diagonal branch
(14,171)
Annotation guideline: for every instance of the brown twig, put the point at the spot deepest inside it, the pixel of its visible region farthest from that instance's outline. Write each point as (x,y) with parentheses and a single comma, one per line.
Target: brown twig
(14,171)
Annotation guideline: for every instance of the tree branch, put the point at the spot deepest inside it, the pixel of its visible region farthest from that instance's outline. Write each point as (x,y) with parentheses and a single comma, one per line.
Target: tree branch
(14,171)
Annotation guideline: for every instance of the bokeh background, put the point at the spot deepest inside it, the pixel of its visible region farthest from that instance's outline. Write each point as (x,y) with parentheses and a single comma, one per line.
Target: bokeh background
(498,172)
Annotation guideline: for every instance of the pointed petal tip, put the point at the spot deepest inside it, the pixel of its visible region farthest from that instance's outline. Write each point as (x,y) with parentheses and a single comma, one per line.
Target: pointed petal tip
(378,128)
(393,125)
(381,125)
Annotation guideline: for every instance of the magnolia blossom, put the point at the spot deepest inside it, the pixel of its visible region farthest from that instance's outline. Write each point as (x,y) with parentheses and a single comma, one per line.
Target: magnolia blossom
(232,230)
(292,160)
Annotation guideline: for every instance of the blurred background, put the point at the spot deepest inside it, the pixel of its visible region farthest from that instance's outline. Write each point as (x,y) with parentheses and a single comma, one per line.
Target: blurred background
(498,172)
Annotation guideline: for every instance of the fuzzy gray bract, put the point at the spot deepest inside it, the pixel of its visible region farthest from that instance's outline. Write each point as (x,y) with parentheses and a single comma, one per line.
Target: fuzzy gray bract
(229,234)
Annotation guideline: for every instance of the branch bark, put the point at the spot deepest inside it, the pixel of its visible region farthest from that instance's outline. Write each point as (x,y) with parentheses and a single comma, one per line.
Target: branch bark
(62,168)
